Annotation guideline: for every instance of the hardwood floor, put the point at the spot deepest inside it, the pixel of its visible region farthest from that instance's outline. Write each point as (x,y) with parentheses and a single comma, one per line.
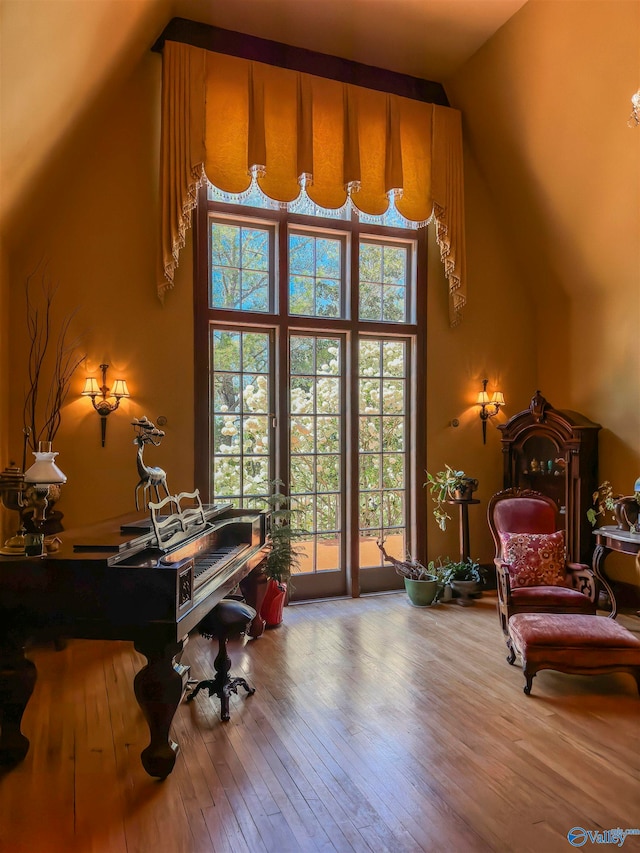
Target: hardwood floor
(375,726)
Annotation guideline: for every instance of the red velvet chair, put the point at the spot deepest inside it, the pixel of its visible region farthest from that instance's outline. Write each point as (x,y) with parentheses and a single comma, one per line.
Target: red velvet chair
(533,575)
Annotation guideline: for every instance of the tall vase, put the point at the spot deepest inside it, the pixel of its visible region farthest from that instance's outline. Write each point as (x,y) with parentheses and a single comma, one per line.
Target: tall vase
(273,605)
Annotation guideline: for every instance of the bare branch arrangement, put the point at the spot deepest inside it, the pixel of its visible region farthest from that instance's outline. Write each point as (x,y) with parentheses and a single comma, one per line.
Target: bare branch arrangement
(409,568)
(59,353)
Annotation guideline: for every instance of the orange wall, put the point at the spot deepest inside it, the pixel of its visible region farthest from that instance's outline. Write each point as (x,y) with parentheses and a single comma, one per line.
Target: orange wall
(546,103)
(496,340)
(95,223)
(54,60)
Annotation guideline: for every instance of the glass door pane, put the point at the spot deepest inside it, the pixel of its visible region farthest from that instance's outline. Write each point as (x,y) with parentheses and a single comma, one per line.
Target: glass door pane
(241,441)
(383,423)
(316,460)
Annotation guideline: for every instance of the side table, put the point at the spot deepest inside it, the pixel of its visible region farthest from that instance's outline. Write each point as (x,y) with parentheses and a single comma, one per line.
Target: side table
(610,539)
(464,526)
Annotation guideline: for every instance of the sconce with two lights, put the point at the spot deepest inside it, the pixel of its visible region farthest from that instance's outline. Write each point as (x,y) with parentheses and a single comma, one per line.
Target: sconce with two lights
(104,399)
(489,408)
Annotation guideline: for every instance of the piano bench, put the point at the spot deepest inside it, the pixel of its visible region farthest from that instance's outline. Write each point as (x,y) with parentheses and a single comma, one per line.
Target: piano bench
(227,621)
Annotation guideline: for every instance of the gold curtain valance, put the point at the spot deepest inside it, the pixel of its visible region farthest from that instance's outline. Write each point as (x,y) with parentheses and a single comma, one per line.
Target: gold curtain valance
(230,120)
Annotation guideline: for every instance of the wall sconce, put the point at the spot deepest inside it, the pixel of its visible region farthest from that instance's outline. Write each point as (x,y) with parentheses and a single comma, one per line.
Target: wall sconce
(103,406)
(489,407)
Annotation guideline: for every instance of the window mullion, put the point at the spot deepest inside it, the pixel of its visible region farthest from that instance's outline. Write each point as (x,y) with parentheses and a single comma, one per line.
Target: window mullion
(281,377)
(353,562)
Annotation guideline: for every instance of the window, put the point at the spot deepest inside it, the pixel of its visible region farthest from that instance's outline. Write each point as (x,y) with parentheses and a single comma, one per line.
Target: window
(307,340)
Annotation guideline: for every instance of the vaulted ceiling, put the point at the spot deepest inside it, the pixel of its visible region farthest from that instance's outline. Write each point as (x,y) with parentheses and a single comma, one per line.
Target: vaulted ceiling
(424,38)
(58,57)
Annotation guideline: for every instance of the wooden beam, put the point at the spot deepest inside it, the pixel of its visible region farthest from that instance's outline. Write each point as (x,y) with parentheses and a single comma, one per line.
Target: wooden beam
(270,52)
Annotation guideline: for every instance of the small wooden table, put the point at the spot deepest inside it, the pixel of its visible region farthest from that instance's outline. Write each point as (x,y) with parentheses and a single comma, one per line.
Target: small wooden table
(464,526)
(610,539)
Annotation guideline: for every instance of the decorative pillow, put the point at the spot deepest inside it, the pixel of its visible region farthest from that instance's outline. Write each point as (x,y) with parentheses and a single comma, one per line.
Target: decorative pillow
(535,559)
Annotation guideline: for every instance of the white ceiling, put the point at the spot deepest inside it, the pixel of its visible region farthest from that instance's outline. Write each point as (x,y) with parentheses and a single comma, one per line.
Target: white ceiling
(425,38)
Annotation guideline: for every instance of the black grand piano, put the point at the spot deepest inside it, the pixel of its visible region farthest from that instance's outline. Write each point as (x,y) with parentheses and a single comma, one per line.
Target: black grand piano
(125,579)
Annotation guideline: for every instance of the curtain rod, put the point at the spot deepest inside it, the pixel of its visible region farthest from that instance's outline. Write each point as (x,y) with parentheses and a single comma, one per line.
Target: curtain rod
(270,52)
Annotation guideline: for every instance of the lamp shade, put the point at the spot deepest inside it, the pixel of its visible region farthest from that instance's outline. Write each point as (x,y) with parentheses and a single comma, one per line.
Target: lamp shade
(91,388)
(483,399)
(44,470)
(120,388)
(498,398)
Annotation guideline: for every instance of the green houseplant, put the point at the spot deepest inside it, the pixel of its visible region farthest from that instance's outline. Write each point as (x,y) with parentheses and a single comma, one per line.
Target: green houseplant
(420,584)
(603,502)
(464,577)
(439,568)
(445,485)
(625,510)
(284,555)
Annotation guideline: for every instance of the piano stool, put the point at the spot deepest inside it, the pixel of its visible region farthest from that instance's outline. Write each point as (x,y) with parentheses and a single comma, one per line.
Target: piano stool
(228,620)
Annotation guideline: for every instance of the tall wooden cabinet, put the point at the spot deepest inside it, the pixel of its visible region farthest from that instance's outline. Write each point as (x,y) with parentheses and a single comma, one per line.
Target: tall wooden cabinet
(555,452)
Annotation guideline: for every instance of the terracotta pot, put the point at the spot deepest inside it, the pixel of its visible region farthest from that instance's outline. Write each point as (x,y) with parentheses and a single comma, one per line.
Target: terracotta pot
(465,493)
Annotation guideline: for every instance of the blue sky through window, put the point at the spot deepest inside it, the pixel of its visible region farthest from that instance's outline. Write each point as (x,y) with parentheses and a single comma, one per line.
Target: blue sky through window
(304,206)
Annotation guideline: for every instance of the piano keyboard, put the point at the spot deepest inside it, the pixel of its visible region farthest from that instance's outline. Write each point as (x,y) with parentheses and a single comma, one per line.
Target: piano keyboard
(207,564)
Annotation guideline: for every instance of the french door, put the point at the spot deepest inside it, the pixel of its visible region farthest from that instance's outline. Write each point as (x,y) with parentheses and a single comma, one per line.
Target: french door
(307,343)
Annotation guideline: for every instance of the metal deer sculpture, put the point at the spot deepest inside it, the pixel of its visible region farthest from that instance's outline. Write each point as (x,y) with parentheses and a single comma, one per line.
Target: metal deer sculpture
(150,477)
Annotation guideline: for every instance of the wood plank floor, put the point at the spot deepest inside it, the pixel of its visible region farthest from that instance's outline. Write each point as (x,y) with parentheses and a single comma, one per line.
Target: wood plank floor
(375,726)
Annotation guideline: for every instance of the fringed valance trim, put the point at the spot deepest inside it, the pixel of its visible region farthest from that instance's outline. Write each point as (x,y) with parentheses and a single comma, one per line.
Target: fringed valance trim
(303,200)
(457,299)
(184,223)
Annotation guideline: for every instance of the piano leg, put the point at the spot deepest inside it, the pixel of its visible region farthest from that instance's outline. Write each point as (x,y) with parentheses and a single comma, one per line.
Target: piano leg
(17,680)
(254,589)
(159,687)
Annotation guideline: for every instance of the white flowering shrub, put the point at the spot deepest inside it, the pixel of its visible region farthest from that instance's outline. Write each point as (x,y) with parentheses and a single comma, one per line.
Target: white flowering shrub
(242,433)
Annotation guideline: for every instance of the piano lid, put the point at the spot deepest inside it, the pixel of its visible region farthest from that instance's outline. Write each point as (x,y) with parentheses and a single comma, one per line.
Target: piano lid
(129,534)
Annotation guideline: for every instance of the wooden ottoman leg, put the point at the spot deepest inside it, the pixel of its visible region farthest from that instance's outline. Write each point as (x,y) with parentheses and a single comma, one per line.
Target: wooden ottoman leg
(529,676)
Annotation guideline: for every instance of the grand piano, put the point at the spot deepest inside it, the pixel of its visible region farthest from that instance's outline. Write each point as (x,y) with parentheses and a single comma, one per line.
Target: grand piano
(131,578)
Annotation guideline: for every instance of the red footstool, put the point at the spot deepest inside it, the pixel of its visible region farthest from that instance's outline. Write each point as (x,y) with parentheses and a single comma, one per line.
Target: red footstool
(573,643)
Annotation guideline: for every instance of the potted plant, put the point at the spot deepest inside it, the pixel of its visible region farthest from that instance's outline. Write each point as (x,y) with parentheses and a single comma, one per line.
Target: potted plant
(464,577)
(421,585)
(283,557)
(448,485)
(603,502)
(440,571)
(625,510)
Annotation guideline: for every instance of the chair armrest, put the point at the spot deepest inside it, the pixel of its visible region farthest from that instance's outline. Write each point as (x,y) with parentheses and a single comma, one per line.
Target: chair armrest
(503,580)
(582,578)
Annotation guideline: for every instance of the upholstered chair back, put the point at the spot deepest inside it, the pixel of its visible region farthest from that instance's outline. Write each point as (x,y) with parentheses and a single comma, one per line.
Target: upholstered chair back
(515,512)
